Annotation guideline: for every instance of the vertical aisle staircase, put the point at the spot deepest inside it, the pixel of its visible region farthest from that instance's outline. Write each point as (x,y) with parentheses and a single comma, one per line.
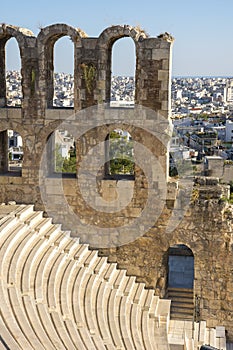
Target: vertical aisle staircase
(182,303)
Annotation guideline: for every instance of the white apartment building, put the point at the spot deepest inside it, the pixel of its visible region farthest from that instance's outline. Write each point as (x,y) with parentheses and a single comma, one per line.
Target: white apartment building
(228,91)
(229,131)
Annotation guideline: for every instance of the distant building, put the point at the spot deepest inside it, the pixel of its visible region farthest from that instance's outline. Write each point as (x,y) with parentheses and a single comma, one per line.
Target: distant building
(65,143)
(203,140)
(229,131)
(228,91)
(213,166)
(14,139)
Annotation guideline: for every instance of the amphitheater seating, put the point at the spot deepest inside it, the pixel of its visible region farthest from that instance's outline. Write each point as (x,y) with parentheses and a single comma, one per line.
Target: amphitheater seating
(57,294)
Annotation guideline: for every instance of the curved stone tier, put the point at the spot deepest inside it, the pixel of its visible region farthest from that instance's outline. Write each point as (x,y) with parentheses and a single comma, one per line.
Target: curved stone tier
(56,293)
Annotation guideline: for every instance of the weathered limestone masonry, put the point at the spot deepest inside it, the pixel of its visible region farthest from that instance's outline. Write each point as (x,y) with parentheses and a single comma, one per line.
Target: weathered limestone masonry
(206,227)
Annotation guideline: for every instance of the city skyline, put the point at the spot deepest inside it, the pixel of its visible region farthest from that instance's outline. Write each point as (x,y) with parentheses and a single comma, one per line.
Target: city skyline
(202,31)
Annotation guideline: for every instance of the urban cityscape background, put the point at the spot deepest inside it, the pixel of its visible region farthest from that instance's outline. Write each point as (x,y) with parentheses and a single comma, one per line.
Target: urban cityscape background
(202,115)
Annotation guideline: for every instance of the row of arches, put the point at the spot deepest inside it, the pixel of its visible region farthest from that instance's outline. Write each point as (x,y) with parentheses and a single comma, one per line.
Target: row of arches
(61,147)
(39,73)
(123,56)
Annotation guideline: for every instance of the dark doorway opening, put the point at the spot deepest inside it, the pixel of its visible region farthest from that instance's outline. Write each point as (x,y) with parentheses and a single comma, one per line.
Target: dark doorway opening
(180,282)
(180,267)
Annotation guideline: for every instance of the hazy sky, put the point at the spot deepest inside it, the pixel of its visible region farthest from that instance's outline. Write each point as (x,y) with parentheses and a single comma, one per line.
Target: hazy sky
(203,29)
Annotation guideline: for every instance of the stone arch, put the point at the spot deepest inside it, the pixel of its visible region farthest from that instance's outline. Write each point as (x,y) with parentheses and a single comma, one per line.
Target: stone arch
(44,132)
(53,32)
(45,43)
(21,35)
(105,42)
(111,34)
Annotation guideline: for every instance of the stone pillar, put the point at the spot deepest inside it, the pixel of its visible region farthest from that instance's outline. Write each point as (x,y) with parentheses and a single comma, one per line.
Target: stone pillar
(3,152)
(49,58)
(30,77)
(2,73)
(87,73)
(104,74)
(153,74)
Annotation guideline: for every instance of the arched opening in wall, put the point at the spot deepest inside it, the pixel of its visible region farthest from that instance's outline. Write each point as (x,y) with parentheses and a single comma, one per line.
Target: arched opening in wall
(119,154)
(123,73)
(13,74)
(61,153)
(180,281)
(11,152)
(63,73)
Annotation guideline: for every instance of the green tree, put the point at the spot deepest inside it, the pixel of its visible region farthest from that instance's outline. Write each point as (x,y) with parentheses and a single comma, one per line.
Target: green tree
(121,154)
(65,165)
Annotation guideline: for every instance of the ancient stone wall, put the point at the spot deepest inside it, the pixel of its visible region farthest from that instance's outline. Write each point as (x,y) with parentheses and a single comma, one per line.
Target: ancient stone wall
(37,119)
(206,228)
(205,225)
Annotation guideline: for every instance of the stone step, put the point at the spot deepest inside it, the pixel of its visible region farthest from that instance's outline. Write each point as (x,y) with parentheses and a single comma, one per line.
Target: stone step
(33,218)
(179,297)
(181,309)
(179,291)
(184,303)
(23,211)
(180,316)
(187,301)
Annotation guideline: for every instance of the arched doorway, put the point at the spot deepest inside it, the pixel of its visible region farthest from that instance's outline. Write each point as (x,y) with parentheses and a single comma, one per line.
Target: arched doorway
(180,282)
(180,267)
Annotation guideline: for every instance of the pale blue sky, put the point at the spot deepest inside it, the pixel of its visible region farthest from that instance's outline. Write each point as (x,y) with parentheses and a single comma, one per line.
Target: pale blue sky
(202,29)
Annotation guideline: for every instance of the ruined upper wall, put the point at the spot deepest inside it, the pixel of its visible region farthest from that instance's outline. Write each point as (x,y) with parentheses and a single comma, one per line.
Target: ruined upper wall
(153,57)
(37,118)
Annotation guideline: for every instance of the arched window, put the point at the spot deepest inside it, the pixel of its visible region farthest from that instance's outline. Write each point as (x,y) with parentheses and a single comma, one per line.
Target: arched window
(11,152)
(123,73)
(120,153)
(63,73)
(13,74)
(61,153)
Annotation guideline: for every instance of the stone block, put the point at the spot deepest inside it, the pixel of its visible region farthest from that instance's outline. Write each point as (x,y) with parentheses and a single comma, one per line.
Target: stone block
(14,113)
(166,64)
(4,180)
(150,43)
(160,54)
(3,113)
(163,75)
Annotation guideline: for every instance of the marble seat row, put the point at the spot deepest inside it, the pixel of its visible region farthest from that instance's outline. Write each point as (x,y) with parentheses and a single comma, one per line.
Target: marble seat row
(192,335)
(57,294)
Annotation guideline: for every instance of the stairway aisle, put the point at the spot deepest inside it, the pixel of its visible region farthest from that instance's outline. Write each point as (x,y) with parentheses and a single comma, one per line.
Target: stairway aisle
(182,303)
